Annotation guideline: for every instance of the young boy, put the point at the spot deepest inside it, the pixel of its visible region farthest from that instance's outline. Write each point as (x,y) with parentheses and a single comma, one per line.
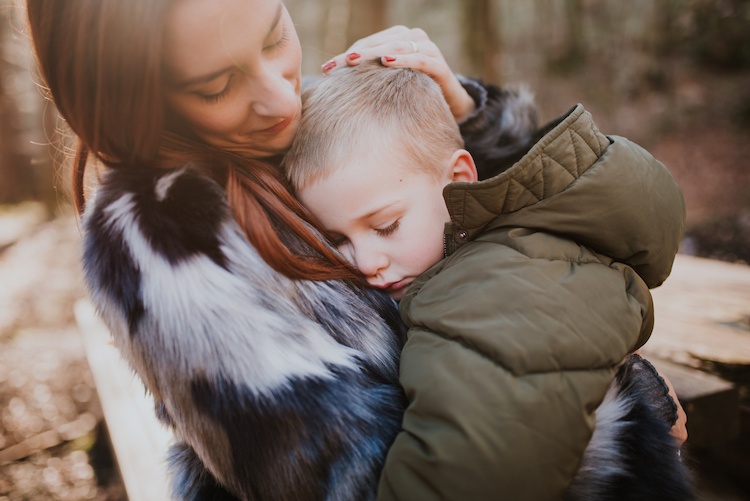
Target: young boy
(522,292)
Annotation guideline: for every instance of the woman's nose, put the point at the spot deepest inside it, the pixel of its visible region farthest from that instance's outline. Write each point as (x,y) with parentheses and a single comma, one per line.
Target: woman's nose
(273,95)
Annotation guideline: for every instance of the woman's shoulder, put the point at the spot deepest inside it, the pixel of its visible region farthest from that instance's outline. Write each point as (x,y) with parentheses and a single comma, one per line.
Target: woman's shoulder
(176,212)
(158,186)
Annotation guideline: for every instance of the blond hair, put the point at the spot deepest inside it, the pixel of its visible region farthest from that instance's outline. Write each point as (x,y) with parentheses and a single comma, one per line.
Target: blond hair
(352,110)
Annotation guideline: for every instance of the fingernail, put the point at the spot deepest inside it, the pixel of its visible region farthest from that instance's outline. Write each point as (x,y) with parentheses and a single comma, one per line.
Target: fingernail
(353,56)
(329,66)
(389,59)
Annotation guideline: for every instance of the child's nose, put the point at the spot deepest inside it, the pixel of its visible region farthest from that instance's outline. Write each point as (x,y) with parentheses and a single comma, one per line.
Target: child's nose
(370,262)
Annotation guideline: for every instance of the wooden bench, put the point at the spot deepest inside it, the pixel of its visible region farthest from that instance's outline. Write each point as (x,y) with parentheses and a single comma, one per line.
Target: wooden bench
(702,320)
(700,315)
(139,440)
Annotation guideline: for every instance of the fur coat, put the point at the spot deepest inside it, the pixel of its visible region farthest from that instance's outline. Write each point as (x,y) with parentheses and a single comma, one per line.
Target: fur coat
(283,389)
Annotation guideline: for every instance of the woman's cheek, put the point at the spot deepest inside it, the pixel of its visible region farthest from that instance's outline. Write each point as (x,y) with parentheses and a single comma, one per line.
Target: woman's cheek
(221,120)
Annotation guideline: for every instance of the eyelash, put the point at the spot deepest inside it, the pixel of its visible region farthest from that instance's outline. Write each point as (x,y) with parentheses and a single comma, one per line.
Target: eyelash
(214,98)
(383,232)
(388,230)
(281,43)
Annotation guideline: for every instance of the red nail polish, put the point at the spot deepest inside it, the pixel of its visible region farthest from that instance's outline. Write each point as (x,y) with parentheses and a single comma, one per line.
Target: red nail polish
(353,56)
(389,59)
(329,66)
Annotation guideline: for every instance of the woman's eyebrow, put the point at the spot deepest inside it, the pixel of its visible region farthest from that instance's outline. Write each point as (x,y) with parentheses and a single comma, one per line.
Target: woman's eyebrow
(202,78)
(216,74)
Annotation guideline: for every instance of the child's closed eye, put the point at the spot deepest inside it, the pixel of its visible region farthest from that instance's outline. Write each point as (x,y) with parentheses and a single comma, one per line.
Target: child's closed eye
(388,230)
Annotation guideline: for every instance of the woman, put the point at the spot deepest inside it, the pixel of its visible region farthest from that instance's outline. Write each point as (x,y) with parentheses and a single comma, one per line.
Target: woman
(214,281)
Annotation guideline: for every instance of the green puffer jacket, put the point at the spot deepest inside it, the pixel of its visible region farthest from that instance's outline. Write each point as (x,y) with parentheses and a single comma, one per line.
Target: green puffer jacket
(514,337)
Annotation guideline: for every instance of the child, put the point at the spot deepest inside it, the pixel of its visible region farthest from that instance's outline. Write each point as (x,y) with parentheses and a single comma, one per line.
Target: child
(521,292)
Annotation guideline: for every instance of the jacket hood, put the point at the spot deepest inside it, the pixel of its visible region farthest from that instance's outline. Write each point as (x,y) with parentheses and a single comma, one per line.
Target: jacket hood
(578,183)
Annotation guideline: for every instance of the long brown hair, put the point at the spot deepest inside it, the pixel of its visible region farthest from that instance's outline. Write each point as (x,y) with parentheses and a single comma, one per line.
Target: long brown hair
(101,61)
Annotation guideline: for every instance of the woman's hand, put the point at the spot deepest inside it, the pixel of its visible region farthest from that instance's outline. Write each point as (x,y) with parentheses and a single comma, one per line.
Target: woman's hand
(400,46)
(679,429)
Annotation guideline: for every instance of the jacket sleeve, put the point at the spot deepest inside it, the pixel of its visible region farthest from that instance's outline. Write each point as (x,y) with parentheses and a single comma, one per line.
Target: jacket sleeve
(507,358)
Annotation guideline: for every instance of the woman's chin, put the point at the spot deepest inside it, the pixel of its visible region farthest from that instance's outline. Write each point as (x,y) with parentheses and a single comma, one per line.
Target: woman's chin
(252,149)
(268,145)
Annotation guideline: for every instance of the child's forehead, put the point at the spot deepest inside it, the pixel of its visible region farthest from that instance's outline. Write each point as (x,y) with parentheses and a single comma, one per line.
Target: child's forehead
(388,166)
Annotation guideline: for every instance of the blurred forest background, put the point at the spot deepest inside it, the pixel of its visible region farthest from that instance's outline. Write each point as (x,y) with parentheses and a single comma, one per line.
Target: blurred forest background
(673,75)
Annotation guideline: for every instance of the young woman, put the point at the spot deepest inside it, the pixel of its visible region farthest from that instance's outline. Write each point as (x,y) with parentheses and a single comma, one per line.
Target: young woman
(241,321)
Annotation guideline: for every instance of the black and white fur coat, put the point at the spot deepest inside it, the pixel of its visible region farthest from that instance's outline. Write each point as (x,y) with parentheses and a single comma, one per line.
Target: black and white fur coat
(288,390)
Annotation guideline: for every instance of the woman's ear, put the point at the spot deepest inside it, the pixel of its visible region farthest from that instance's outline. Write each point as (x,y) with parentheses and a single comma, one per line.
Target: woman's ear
(463,168)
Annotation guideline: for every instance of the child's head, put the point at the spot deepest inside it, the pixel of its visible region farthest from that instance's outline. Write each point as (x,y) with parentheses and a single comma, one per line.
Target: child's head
(375,148)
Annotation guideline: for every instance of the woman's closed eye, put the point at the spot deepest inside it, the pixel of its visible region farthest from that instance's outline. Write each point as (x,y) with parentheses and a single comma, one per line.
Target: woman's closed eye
(280,43)
(388,230)
(216,97)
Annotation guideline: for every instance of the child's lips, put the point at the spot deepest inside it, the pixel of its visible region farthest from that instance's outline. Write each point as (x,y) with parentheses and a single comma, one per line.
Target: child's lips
(394,287)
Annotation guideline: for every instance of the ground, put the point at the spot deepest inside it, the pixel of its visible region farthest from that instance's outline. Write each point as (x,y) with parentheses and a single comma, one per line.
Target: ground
(51,441)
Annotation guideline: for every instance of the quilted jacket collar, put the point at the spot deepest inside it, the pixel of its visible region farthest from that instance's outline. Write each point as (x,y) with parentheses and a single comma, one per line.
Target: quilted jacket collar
(572,145)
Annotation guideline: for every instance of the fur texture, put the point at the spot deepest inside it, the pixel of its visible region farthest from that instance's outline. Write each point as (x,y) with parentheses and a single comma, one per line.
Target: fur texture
(631,456)
(281,389)
(503,130)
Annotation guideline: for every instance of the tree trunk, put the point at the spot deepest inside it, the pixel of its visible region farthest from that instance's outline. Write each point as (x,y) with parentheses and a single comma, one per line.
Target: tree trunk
(483,41)
(16,176)
(336,26)
(366,17)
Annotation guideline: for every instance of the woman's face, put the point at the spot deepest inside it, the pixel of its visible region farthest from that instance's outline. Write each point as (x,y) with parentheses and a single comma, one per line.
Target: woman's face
(233,73)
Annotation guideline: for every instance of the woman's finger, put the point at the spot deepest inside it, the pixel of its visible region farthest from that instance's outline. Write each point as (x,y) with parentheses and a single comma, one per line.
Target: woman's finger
(388,35)
(394,40)
(425,50)
(400,46)
(394,34)
(433,67)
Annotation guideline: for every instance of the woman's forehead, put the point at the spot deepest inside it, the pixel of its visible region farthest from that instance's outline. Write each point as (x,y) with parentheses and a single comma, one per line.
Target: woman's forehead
(204,37)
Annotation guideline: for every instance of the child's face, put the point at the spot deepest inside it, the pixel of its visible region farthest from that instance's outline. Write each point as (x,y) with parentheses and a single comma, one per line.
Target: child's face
(386,216)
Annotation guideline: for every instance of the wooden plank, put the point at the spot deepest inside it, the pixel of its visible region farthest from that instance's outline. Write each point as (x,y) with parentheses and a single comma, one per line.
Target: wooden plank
(710,402)
(702,313)
(139,440)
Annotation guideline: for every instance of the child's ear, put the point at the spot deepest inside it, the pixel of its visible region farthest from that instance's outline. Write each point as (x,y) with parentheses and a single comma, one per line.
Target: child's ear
(463,168)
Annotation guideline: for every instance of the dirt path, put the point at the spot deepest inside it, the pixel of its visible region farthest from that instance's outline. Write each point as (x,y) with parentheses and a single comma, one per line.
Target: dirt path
(49,411)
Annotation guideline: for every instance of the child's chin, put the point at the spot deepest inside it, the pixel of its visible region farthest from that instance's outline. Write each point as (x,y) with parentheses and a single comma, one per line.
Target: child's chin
(398,294)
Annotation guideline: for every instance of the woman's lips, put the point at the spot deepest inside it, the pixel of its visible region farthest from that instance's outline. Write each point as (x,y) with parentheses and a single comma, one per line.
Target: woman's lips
(275,129)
